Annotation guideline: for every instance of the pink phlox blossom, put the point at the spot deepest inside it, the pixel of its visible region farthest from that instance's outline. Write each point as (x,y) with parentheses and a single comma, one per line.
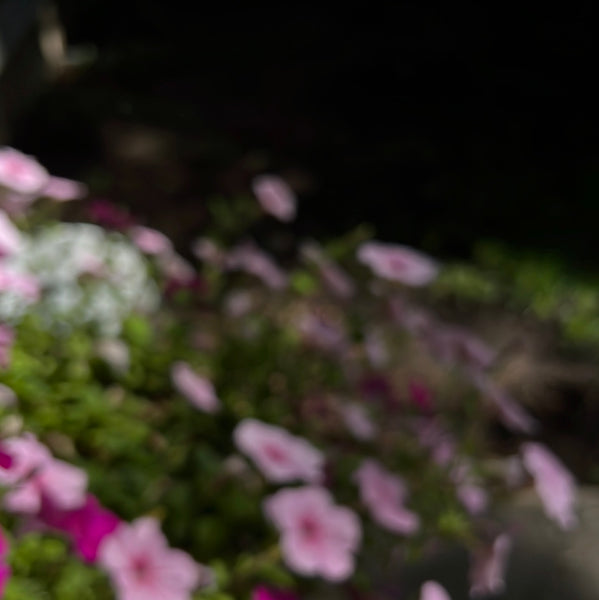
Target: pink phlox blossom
(86,526)
(488,566)
(275,197)
(472,496)
(249,258)
(150,241)
(264,593)
(398,263)
(4,568)
(209,252)
(63,190)
(317,536)
(280,456)
(197,389)
(358,421)
(384,494)
(7,338)
(21,173)
(554,484)
(22,284)
(27,455)
(10,236)
(431,590)
(333,276)
(142,566)
(510,412)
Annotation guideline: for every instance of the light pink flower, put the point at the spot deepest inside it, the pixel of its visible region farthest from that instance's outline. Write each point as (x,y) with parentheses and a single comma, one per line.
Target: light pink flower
(280,456)
(176,269)
(197,389)
(10,236)
(249,258)
(488,565)
(21,173)
(435,437)
(275,197)
(142,566)
(358,422)
(317,536)
(208,252)
(63,190)
(27,454)
(554,484)
(22,284)
(322,332)
(334,277)
(398,263)
(150,241)
(431,590)
(384,494)
(473,497)
(263,593)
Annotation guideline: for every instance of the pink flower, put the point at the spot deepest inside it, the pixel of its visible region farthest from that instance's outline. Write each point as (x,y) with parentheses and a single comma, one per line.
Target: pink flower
(63,190)
(554,484)
(197,389)
(4,568)
(421,396)
(317,536)
(263,593)
(488,566)
(334,277)
(384,495)
(108,214)
(150,241)
(431,590)
(280,456)
(22,284)
(142,566)
(21,173)
(398,263)
(247,257)
(473,497)
(322,332)
(275,197)
(87,526)
(433,436)
(358,422)
(27,454)
(10,236)
(208,252)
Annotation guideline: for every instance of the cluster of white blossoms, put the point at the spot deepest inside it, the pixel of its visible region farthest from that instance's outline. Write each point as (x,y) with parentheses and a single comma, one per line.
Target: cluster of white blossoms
(87,276)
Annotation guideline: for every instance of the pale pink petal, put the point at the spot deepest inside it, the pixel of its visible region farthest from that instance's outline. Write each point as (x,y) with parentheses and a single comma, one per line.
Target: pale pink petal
(197,389)
(473,497)
(150,241)
(275,197)
(10,236)
(21,173)
(25,498)
(431,590)
(64,484)
(358,422)
(63,190)
(27,454)
(488,567)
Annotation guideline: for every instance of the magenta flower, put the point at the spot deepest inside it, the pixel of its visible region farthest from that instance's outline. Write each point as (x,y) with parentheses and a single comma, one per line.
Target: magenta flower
(398,263)
(317,536)
(488,565)
(280,456)
(108,214)
(86,526)
(263,593)
(421,396)
(142,566)
(275,197)
(554,484)
(249,258)
(10,236)
(384,494)
(4,568)
(150,241)
(63,190)
(21,173)
(431,590)
(197,389)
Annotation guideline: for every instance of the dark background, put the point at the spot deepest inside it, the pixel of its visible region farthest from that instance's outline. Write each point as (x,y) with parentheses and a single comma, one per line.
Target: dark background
(441,126)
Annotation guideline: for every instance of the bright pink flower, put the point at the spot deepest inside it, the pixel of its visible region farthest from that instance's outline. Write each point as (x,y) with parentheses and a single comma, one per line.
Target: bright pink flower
(10,236)
(86,526)
(275,197)
(4,568)
(108,214)
(317,536)
(554,484)
(27,455)
(63,190)
(197,389)
(358,422)
(384,494)
(421,396)
(21,173)
(280,456)
(398,263)
(150,241)
(7,337)
(488,565)
(249,258)
(142,566)
(431,590)
(263,593)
